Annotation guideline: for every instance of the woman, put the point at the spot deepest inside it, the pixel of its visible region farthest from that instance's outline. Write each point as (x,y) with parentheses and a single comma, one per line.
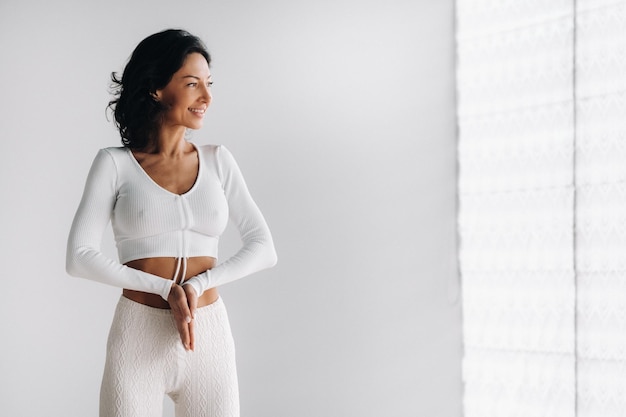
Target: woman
(169,201)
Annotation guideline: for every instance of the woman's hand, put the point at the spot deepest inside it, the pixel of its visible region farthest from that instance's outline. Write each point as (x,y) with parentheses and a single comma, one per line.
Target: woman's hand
(192,303)
(183,309)
(192,299)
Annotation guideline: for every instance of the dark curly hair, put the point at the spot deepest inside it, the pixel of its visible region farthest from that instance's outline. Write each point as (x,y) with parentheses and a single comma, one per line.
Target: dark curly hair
(151,66)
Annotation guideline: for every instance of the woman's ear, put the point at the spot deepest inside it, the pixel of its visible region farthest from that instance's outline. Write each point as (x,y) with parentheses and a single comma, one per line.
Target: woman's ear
(156,95)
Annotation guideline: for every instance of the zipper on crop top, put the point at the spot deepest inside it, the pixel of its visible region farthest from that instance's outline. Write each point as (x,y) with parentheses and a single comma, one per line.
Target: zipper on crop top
(182,247)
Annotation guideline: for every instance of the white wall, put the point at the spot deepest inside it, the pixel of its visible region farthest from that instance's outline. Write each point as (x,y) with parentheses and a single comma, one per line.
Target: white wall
(341,114)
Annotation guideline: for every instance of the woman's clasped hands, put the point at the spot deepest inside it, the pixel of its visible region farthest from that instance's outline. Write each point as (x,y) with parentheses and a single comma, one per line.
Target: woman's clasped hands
(183,301)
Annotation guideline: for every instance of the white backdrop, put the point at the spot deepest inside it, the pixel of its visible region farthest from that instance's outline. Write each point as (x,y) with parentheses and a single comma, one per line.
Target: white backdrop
(341,115)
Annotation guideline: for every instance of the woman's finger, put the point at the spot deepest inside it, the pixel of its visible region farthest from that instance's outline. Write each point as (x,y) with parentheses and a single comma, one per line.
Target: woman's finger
(192,337)
(192,299)
(182,326)
(183,330)
(182,315)
(192,302)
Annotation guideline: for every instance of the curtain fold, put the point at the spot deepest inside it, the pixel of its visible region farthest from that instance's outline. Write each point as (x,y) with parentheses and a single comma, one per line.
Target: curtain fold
(516,194)
(542,206)
(601,206)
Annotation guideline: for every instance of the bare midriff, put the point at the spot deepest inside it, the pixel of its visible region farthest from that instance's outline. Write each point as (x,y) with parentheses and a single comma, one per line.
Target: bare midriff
(166,268)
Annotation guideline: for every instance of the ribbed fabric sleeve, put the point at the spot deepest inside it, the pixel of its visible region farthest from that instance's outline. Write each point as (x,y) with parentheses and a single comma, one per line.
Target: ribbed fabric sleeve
(257,251)
(84,257)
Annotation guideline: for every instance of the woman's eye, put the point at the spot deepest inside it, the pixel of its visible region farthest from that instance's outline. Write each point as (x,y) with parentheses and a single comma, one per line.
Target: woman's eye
(192,84)
(209,84)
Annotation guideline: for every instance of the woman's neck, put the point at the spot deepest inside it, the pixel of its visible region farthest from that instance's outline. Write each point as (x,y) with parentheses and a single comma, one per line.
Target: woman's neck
(169,142)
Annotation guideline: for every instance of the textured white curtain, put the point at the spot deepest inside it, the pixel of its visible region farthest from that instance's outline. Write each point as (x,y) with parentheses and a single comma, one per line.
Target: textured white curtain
(542,206)
(601,207)
(516,221)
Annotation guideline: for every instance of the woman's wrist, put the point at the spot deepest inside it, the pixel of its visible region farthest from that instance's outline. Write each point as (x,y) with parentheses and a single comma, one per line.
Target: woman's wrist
(193,283)
(165,294)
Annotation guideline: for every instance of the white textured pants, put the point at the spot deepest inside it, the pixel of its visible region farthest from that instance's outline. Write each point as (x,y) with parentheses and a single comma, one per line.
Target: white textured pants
(146,360)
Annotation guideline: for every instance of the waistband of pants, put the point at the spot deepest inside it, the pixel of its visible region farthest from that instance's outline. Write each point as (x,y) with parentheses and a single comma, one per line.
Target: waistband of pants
(165,312)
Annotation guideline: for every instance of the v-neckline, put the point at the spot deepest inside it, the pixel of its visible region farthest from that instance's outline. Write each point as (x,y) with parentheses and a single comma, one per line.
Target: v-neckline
(160,187)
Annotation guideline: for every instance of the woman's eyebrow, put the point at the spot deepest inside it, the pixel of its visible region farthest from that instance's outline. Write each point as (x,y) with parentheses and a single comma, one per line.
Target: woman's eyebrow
(194,76)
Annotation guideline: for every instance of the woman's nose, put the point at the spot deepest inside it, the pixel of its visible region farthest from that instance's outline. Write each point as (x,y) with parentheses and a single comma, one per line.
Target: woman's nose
(206,93)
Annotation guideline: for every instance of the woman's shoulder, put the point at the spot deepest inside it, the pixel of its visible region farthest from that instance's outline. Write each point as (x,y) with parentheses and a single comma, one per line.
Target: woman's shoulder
(110,158)
(111,152)
(212,150)
(116,153)
(208,147)
(114,150)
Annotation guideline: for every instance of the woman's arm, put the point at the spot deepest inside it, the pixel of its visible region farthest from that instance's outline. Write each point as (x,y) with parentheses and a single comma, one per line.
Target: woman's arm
(84,257)
(257,251)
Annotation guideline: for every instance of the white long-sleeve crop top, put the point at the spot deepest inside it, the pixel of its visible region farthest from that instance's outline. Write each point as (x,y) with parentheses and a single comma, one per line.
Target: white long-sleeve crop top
(150,221)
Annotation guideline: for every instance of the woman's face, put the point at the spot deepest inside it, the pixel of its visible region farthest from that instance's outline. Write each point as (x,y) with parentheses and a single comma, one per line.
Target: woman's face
(188,94)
